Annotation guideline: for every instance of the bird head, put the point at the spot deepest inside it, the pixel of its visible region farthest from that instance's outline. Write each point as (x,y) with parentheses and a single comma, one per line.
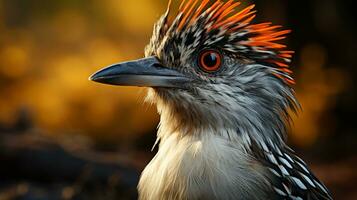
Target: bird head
(210,68)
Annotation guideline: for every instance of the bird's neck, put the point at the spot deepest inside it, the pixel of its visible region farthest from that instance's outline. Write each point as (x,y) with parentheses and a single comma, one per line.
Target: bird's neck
(203,122)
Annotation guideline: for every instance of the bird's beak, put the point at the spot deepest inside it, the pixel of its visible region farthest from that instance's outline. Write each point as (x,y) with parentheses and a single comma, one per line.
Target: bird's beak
(146,72)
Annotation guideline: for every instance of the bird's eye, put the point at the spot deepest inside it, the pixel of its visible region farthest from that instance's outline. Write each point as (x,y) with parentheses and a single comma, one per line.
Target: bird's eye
(210,60)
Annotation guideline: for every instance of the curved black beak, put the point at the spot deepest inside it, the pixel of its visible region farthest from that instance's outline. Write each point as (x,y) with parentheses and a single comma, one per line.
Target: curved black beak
(146,72)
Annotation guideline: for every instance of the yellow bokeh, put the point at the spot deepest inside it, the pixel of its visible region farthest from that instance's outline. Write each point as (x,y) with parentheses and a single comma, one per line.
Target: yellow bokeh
(45,63)
(316,90)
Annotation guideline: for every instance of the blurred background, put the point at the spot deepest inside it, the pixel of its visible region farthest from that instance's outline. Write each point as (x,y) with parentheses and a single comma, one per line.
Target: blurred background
(63,137)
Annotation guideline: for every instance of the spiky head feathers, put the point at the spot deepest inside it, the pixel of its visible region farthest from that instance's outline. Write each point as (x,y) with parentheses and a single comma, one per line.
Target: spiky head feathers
(251,91)
(204,24)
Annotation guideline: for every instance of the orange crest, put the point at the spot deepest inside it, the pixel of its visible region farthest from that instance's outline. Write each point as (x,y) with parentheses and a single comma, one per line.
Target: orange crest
(260,38)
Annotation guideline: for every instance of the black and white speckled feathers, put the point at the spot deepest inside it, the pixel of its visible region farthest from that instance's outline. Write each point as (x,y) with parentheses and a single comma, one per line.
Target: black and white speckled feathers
(204,24)
(291,177)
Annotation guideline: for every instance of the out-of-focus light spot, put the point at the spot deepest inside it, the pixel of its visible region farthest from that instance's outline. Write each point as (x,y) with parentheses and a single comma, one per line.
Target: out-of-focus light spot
(313,57)
(317,88)
(70,26)
(68,193)
(100,112)
(49,106)
(8,112)
(103,52)
(69,74)
(14,61)
(134,16)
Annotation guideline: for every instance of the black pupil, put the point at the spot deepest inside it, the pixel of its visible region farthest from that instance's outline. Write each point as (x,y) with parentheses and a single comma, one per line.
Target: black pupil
(210,59)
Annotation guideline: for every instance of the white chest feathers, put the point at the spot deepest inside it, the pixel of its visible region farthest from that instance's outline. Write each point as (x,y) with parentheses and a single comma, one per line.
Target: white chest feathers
(201,168)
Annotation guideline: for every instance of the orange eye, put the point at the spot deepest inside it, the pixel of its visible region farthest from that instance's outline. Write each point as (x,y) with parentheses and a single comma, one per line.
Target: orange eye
(210,60)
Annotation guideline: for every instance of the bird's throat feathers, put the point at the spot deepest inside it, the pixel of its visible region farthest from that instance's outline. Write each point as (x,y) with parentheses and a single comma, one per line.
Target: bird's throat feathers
(233,117)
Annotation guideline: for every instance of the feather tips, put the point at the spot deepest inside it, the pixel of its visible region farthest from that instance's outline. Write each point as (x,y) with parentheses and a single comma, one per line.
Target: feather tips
(260,38)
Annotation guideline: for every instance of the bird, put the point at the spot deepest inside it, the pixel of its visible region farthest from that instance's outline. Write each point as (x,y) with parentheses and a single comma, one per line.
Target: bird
(225,93)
